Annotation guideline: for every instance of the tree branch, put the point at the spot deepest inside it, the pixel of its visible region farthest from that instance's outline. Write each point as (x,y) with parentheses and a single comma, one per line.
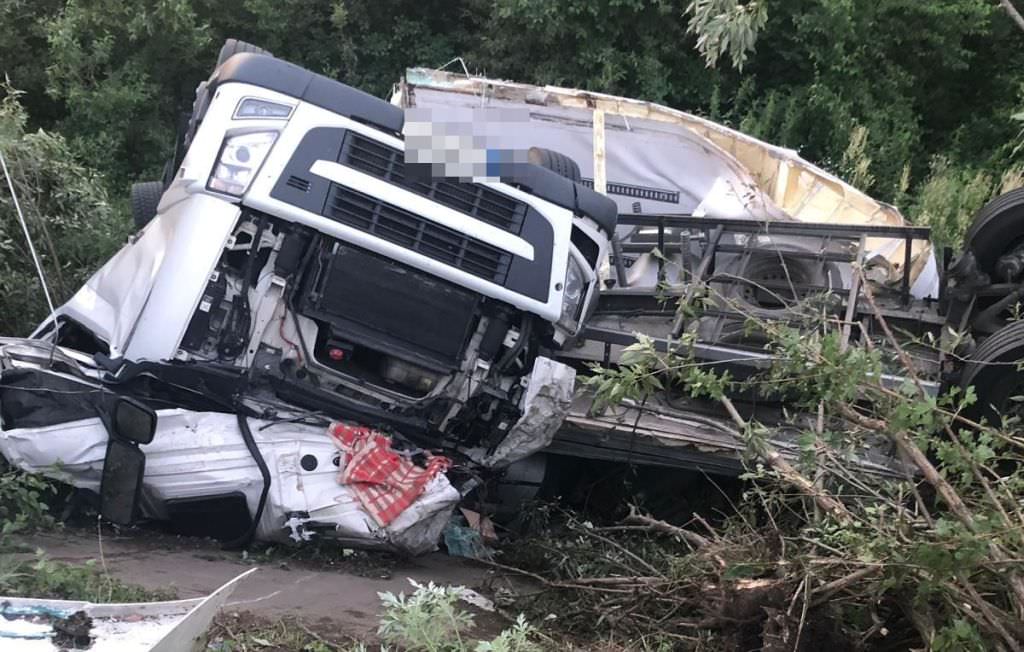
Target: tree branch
(772,458)
(635,517)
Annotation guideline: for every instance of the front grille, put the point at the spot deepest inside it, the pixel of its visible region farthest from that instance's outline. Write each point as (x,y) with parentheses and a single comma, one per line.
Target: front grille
(298,183)
(479,201)
(417,234)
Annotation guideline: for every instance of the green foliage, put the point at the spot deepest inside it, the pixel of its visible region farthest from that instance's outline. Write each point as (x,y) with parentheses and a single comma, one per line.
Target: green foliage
(856,163)
(912,81)
(726,28)
(23,503)
(243,632)
(44,578)
(23,53)
(430,620)
(949,198)
(73,224)
(24,507)
(517,638)
(123,72)
(940,563)
(959,636)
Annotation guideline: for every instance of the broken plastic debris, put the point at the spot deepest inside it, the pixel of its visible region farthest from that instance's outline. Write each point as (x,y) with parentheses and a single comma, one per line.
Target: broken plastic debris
(463,541)
(481,524)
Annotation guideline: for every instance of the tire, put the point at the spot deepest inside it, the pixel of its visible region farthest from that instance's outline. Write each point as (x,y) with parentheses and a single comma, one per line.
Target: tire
(992,372)
(145,197)
(996,229)
(233,46)
(556,162)
(743,282)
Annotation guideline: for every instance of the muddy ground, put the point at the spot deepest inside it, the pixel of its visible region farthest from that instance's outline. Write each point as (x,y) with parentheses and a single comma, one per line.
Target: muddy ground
(333,592)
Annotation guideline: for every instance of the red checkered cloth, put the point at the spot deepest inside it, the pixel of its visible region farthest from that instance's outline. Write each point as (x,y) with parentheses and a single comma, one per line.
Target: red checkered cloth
(385,482)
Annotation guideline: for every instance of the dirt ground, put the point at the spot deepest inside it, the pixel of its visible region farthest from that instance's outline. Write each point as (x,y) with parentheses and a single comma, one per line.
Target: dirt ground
(315,590)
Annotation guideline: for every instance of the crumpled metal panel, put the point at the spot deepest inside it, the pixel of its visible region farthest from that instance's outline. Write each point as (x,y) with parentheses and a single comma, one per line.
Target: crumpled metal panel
(547,401)
(196,454)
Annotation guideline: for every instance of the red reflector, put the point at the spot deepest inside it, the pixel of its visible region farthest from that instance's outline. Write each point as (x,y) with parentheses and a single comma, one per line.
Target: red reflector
(336,354)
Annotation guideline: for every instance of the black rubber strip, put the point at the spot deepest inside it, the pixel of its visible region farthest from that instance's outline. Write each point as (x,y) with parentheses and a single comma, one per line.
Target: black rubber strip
(250,443)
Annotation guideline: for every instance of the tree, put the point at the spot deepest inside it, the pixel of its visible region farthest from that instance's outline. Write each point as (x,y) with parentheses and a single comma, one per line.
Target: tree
(726,28)
(68,212)
(124,71)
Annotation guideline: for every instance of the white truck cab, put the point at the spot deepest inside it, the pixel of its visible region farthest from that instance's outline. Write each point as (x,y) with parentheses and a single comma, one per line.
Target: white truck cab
(295,254)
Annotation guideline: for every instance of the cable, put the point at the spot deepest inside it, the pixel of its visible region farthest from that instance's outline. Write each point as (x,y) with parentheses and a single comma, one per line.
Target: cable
(250,443)
(234,338)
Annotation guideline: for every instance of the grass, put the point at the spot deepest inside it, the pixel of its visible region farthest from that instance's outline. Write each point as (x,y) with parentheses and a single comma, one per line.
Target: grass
(40,577)
(25,507)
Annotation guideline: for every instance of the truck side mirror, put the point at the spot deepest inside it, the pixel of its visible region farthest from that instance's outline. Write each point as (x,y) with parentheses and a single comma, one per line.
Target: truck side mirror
(133,421)
(121,483)
(129,424)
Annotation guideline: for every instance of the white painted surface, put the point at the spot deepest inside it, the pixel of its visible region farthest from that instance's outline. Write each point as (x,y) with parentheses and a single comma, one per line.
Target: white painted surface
(173,626)
(202,453)
(141,300)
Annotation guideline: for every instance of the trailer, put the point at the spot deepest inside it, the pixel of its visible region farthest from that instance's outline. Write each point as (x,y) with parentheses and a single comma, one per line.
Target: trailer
(706,211)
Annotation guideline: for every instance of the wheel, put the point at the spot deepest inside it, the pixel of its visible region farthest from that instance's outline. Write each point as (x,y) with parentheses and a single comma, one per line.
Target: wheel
(233,46)
(997,229)
(145,197)
(556,162)
(993,255)
(993,371)
(771,283)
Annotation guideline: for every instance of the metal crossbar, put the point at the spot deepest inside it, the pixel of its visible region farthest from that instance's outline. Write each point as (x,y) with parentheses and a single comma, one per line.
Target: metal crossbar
(697,274)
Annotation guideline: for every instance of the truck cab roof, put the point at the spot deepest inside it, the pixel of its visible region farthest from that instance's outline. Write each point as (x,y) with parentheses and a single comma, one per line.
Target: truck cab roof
(289,79)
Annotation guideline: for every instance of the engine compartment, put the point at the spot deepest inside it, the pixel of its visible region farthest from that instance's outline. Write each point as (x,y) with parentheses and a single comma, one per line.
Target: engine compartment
(299,310)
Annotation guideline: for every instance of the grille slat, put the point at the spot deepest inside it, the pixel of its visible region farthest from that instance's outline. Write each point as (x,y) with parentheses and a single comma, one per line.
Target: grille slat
(298,183)
(473,199)
(418,234)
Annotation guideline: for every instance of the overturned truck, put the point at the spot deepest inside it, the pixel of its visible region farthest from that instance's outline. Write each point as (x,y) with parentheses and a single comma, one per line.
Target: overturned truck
(340,315)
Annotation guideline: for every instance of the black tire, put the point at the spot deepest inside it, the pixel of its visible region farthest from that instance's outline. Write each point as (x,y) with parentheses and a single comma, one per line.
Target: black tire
(993,373)
(996,229)
(233,46)
(145,197)
(556,162)
(743,282)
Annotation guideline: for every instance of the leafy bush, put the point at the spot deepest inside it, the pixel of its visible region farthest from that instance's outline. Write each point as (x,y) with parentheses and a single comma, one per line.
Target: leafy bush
(925,78)
(72,222)
(430,620)
(948,200)
(23,501)
(44,578)
(927,555)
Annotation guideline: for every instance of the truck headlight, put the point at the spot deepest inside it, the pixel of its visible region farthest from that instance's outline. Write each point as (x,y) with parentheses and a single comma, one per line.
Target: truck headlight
(240,159)
(573,290)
